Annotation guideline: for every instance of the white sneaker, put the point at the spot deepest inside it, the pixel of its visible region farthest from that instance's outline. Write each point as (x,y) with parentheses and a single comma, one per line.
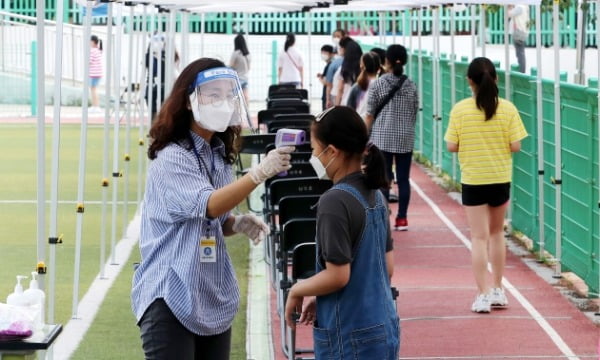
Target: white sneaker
(497,297)
(482,304)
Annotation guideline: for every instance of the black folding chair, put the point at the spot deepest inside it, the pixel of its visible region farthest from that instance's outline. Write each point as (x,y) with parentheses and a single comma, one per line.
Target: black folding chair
(275,125)
(298,105)
(294,116)
(264,116)
(276,87)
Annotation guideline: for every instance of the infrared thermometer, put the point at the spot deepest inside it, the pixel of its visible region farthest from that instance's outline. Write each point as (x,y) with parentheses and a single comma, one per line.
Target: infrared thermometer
(289,137)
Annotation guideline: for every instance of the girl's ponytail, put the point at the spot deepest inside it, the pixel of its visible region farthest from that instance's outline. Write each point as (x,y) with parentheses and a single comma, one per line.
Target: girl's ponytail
(374,168)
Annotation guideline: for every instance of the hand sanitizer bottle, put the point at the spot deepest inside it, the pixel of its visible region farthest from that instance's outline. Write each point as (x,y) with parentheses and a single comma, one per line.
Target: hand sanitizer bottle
(17,297)
(35,296)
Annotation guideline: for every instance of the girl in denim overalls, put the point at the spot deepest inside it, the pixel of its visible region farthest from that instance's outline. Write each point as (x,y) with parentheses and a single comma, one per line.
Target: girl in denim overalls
(354,315)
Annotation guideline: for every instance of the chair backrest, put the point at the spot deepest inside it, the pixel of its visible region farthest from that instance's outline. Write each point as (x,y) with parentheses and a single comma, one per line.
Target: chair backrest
(297,206)
(300,169)
(298,105)
(301,155)
(256,144)
(301,94)
(297,231)
(294,116)
(269,114)
(279,188)
(304,261)
(277,87)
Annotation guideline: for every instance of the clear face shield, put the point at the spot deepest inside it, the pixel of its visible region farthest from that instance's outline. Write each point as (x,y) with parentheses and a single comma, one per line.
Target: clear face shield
(217,100)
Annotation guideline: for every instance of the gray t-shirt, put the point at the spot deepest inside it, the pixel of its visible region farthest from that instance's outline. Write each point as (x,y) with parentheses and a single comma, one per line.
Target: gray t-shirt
(341,221)
(241,64)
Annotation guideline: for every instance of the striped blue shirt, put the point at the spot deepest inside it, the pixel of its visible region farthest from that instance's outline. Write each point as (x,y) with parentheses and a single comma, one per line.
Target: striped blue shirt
(204,296)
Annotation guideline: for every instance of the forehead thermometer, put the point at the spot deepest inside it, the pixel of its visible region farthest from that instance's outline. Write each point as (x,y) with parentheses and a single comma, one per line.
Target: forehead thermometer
(289,137)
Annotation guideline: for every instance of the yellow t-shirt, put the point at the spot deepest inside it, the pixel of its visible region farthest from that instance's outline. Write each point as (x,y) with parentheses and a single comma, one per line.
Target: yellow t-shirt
(484,146)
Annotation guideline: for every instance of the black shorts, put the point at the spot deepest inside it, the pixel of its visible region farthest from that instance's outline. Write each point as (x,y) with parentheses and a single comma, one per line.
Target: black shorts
(490,194)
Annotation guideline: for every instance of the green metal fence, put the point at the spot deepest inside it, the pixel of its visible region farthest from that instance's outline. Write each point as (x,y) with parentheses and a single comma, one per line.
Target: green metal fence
(579,152)
(354,22)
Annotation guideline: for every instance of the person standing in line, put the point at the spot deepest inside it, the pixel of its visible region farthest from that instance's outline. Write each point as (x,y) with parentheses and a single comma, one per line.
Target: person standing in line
(348,72)
(519,28)
(391,115)
(337,36)
(240,62)
(350,300)
(290,64)
(369,66)
(184,292)
(327,56)
(95,71)
(485,130)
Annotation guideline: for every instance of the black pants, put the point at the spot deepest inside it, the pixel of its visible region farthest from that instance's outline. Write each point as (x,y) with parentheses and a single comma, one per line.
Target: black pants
(403,162)
(163,337)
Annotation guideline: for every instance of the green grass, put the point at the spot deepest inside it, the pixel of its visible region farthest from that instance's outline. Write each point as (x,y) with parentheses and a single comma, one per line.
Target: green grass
(113,334)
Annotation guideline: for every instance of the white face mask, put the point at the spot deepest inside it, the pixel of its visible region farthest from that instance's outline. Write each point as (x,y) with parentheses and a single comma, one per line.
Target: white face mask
(325,57)
(213,118)
(320,170)
(336,41)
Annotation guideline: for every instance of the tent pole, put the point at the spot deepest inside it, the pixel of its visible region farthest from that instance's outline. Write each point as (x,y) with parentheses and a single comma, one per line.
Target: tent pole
(473,35)
(128,110)
(452,78)
(53,238)
(141,133)
(482,28)
(185,38)
(420,82)
(117,119)
(41,135)
(540,130)
(309,31)
(557,145)
(106,141)
(82,153)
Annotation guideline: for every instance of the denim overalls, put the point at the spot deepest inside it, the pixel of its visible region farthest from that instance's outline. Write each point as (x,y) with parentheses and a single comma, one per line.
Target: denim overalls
(360,320)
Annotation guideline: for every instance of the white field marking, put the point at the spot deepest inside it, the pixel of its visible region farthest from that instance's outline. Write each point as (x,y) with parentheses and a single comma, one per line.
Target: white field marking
(554,336)
(74,331)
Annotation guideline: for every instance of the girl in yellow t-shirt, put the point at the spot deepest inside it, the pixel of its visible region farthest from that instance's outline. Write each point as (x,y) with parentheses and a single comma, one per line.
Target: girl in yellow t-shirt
(485,130)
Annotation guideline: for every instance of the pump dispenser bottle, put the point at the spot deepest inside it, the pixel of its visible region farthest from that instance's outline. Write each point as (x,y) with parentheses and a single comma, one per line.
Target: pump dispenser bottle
(35,296)
(17,297)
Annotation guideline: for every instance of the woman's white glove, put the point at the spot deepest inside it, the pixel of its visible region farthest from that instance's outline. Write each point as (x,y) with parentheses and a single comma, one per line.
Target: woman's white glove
(276,161)
(252,226)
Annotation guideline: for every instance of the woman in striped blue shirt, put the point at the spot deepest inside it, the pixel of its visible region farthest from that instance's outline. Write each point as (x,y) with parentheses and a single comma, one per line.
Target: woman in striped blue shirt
(185,294)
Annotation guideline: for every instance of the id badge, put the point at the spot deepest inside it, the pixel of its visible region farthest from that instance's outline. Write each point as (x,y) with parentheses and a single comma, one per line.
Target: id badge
(208,250)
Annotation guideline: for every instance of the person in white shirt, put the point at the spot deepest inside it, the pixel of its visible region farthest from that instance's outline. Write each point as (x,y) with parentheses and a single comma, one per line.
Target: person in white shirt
(290,64)
(519,28)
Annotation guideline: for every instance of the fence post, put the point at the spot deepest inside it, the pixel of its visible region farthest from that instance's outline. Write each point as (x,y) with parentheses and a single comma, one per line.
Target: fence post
(34,78)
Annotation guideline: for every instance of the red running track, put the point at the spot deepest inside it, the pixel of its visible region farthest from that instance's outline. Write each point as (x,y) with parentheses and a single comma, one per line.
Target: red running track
(433,274)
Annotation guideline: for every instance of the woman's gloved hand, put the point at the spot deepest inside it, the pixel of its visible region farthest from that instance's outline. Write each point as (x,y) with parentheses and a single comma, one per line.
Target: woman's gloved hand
(252,226)
(276,161)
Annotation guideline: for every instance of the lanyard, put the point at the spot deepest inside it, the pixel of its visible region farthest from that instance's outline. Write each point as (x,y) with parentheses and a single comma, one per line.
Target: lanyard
(209,170)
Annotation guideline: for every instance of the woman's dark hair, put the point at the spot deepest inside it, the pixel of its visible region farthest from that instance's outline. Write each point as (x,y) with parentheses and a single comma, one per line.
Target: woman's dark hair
(381,53)
(290,40)
(327,48)
(351,63)
(483,74)
(371,62)
(396,57)
(175,117)
(343,128)
(239,43)
(342,32)
(96,41)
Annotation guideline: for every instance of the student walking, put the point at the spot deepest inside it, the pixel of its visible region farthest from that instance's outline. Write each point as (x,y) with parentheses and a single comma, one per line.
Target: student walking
(391,115)
(95,71)
(240,62)
(485,130)
(290,64)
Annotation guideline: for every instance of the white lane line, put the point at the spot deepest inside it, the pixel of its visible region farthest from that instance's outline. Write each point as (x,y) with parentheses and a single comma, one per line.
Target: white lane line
(554,336)
(75,330)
